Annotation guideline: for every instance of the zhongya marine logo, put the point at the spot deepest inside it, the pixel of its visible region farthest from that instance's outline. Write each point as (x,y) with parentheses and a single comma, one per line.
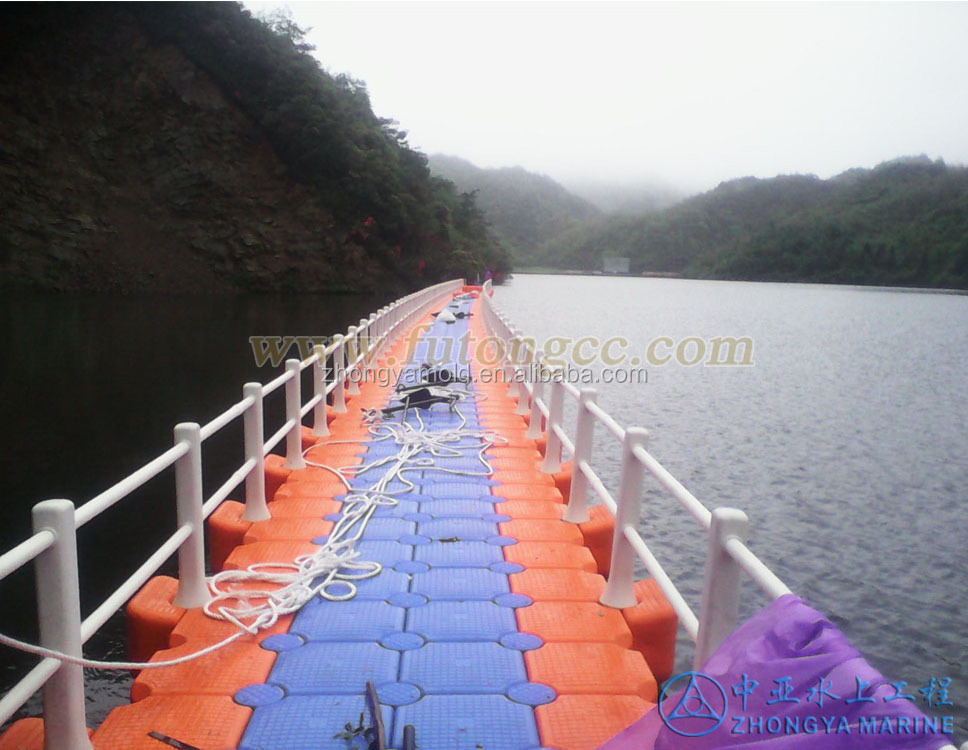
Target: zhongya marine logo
(698,711)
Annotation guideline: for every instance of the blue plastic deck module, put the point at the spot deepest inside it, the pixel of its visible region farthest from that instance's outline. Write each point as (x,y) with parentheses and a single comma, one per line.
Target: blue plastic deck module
(435,631)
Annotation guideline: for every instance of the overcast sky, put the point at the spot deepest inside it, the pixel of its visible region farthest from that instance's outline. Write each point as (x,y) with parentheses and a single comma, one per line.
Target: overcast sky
(689,94)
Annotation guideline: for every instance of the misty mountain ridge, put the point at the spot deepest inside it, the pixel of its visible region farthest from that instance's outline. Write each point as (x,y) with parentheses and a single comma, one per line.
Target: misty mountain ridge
(903,222)
(621,197)
(524,209)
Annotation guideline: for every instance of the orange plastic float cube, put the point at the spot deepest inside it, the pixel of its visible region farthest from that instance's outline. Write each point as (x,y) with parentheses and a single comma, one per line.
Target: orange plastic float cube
(553,584)
(276,474)
(499,450)
(598,531)
(541,444)
(585,722)
(591,668)
(294,529)
(197,630)
(26,734)
(303,507)
(579,622)
(537,530)
(523,462)
(494,421)
(562,480)
(550,555)
(225,671)
(226,529)
(653,623)
(151,617)
(327,488)
(518,509)
(335,454)
(307,438)
(526,492)
(269,552)
(531,476)
(205,721)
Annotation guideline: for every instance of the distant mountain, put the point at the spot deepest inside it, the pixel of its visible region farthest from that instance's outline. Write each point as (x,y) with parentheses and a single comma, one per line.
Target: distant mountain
(626,198)
(671,239)
(905,222)
(524,209)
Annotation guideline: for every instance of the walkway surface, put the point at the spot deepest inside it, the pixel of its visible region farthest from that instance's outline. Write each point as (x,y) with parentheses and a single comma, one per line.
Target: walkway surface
(483,631)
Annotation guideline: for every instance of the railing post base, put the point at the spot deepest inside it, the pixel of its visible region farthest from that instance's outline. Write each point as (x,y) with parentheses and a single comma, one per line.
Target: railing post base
(192,587)
(59,614)
(253,435)
(552,458)
(719,606)
(577,509)
(620,592)
(294,456)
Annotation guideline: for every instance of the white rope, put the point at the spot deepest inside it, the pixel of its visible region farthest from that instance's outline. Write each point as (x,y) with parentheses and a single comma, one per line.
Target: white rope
(336,563)
(119,665)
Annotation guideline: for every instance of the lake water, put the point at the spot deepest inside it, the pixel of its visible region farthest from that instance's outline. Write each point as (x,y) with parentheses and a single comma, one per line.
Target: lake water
(846,442)
(91,388)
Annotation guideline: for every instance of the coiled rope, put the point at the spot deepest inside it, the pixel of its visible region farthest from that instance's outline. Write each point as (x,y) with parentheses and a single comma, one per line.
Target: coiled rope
(337,561)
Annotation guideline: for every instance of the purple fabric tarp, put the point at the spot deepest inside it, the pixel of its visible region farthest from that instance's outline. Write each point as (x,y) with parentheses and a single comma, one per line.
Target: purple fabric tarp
(806,687)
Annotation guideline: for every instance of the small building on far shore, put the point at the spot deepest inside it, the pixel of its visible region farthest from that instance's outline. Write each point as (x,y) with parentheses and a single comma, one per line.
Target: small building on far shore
(615,264)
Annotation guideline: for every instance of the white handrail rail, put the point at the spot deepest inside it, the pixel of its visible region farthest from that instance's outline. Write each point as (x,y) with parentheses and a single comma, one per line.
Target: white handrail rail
(25,552)
(94,621)
(53,545)
(100,503)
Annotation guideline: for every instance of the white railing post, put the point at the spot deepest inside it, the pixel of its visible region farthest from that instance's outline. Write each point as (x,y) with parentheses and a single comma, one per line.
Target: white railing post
(577,510)
(364,338)
(254,446)
(320,425)
(619,592)
(372,339)
(192,588)
(515,388)
(552,457)
(522,370)
(537,391)
(352,351)
(294,456)
(386,323)
(719,607)
(59,615)
(376,333)
(339,376)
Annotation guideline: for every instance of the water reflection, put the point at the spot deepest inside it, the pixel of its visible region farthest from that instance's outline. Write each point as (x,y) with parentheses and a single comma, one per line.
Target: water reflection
(90,388)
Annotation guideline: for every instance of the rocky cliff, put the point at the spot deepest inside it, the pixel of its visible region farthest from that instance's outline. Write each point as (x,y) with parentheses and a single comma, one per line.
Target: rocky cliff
(124,166)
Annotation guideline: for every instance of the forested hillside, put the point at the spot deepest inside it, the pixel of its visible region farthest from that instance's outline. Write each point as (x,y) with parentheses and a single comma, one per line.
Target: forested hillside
(669,240)
(904,222)
(188,147)
(524,209)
